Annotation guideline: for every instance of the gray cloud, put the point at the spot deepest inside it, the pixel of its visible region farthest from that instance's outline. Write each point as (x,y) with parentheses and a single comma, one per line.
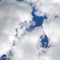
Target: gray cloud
(12,13)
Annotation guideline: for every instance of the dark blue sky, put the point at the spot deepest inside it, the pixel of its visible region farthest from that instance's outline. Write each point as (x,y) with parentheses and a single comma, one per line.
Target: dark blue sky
(44,42)
(38,20)
(3,57)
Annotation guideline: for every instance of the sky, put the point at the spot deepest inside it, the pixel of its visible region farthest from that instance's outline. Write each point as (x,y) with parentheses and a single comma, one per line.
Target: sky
(30,29)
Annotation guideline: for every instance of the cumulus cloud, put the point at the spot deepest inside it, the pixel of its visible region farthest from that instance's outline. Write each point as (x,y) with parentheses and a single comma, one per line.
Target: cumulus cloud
(10,17)
(52,28)
(26,47)
(46,7)
(15,15)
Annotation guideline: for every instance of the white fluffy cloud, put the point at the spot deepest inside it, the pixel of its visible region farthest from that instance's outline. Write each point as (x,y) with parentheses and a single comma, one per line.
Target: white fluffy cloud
(46,7)
(52,30)
(13,14)
(27,46)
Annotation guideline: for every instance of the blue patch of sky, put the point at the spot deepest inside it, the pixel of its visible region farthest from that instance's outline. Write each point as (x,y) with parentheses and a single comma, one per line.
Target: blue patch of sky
(44,42)
(4,57)
(7,57)
(38,20)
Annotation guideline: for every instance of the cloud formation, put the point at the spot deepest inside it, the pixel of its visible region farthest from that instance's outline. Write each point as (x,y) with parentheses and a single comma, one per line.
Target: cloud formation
(16,17)
(11,14)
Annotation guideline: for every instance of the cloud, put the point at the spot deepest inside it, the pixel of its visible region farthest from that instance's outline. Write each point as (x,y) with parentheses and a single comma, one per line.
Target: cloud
(18,15)
(52,28)
(10,17)
(45,7)
(9,1)
(26,47)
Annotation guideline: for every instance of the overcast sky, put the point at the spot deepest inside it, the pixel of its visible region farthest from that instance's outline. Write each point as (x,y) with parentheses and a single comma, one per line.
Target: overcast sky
(18,26)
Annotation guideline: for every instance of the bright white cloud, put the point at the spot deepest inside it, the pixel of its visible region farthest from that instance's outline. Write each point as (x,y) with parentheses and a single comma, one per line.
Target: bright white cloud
(27,47)
(10,18)
(52,30)
(46,7)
